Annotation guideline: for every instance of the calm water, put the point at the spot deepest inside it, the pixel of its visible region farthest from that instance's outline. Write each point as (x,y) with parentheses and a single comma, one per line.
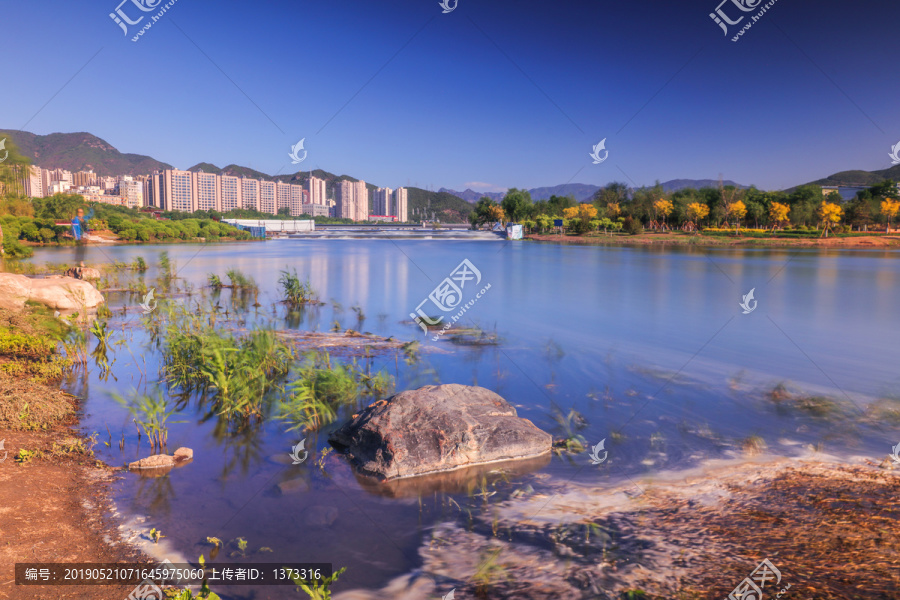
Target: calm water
(650,344)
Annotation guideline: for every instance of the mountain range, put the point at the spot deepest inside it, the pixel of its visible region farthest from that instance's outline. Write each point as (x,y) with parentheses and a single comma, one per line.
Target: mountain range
(83,151)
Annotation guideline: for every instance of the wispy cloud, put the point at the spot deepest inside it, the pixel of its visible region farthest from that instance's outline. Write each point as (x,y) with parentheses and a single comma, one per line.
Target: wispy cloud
(483,186)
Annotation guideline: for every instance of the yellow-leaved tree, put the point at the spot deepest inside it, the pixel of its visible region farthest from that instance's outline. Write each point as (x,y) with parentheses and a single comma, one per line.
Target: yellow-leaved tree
(890,208)
(737,211)
(663,207)
(697,211)
(830,213)
(778,213)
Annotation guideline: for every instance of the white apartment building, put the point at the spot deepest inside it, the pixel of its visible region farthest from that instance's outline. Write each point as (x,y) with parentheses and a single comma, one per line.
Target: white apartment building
(316,188)
(401,204)
(381,201)
(267,197)
(34,182)
(205,187)
(131,191)
(230,189)
(352,200)
(250,193)
(283,194)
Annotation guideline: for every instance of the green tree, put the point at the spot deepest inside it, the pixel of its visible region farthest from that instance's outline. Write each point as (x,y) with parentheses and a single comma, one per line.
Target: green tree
(516,204)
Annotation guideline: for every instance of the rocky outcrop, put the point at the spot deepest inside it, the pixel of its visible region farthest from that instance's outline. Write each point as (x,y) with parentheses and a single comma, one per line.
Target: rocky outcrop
(435,429)
(60,293)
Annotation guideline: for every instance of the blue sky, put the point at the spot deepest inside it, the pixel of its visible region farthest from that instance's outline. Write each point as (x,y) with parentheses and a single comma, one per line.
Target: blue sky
(507,94)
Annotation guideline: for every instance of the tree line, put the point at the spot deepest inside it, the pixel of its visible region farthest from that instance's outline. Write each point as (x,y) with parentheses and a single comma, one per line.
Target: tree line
(618,207)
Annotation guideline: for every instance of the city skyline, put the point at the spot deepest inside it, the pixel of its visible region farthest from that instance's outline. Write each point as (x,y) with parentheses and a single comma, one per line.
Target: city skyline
(192,191)
(486,97)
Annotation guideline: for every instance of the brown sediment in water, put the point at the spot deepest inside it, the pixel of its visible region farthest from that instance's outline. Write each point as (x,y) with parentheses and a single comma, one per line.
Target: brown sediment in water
(830,528)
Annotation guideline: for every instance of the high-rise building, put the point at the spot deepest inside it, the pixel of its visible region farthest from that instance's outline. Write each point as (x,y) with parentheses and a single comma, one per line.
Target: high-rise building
(381,201)
(85,179)
(34,182)
(131,191)
(108,183)
(343,196)
(230,191)
(283,195)
(177,190)
(400,204)
(352,199)
(250,193)
(316,189)
(361,201)
(298,199)
(206,191)
(267,197)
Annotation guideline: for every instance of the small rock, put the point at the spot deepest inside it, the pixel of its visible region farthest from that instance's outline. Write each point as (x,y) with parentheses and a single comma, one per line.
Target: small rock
(184,454)
(320,516)
(281,459)
(153,462)
(293,486)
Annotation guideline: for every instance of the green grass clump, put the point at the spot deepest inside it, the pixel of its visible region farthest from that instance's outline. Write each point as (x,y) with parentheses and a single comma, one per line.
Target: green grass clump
(240,281)
(294,291)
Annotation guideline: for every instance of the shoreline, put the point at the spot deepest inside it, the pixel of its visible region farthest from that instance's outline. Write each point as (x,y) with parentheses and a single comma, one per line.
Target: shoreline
(687,240)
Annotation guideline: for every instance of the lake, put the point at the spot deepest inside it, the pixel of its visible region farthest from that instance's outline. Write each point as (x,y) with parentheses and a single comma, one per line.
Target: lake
(648,346)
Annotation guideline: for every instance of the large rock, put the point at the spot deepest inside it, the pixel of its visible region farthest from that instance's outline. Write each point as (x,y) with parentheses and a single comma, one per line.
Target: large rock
(60,293)
(437,428)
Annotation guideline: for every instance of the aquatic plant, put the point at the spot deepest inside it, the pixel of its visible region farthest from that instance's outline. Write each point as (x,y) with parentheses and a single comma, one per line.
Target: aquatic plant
(152,414)
(317,590)
(240,281)
(214,281)
(139,264)
(294,291)
(322,386)
(569,424)
(234,372)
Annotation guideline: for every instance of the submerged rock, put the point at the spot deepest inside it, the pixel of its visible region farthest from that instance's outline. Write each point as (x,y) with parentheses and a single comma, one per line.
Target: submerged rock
(437,428)
(61,293)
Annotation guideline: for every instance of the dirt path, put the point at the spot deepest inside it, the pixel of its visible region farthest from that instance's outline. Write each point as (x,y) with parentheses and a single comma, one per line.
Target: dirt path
(54,510)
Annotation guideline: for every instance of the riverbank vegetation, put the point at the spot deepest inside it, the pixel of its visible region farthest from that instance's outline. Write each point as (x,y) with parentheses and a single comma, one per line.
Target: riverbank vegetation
(803,211)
